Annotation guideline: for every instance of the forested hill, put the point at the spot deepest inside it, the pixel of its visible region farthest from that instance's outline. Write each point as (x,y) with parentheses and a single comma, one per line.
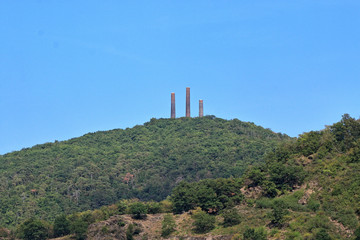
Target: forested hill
(145,162)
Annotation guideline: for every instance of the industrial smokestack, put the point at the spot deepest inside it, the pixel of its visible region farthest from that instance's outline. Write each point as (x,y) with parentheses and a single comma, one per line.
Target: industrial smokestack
(187,102)
(201,108)
(173,105)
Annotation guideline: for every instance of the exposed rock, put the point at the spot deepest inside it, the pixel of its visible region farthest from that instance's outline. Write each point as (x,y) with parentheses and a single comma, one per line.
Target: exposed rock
(307,194)
(203,238)
(341,228)
(252,192)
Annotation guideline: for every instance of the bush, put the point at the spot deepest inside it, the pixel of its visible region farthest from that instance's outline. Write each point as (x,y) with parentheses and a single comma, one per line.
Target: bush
(231,217)
(269,189)
(357,234)
(79,228)
(121,206)
(278,213)
(203,222)
(264,203)
(138,210)
(131,231)
(255,234)
(322,235)
(313,205)
(153,207)
(168,225)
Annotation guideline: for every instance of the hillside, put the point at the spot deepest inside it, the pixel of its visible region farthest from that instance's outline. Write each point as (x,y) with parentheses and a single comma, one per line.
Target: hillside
(306,189)
(143,162)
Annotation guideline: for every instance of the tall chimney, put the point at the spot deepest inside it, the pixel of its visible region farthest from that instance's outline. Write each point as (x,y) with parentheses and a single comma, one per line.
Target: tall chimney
(172,105)
(201,108)
(187,102)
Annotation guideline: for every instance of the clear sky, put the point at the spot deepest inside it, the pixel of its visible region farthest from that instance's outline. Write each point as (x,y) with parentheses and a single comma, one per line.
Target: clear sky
(72,67)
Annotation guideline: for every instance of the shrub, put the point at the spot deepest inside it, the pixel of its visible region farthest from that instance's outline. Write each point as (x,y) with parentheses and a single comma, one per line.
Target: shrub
(231,217)
(278,213)
(313,205)
(322,235)
(153,207)
(79,228)
(121,206)
(138,210)
(319,221)
(357,234)
(203,222)
(269,189)
(168,225)
(131,231)
(255,234)
(264,203)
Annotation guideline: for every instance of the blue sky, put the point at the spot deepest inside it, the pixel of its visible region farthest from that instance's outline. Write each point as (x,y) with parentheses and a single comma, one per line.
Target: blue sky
(72,67)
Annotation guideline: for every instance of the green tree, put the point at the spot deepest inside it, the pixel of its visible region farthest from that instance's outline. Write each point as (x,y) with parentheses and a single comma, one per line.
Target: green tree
(183,198)
(255,234)
(138,210)
(79,228)
(203,222)
(231,217)
(33,229)
(61,226)
(278,213)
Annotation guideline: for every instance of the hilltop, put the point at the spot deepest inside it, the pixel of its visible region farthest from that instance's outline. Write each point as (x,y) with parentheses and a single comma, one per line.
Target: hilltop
(143,162)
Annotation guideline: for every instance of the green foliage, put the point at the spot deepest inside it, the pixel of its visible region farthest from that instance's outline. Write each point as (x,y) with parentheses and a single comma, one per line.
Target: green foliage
(231,217)
(132,230)
(255,234)
(309,143)
(346,132)
(61,226)
(168,225)
(203,222)
(143,162)
(121,207)
(211,195)
(79,228)
(286,176)
(278,213)
(33,229)
(322,235)
(138,210)
(153,207)
(357,234)
(269,189)
(313,205)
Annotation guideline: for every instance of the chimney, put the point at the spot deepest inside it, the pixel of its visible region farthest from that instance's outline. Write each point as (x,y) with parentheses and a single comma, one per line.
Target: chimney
(187,102)
(172,105)
(201,108)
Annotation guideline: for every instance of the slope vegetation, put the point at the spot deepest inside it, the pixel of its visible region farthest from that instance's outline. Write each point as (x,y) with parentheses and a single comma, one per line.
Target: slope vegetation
(143,162)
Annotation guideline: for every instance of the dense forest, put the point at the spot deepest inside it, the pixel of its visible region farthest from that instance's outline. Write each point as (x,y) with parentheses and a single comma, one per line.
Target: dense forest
(305,189)
(143,162)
